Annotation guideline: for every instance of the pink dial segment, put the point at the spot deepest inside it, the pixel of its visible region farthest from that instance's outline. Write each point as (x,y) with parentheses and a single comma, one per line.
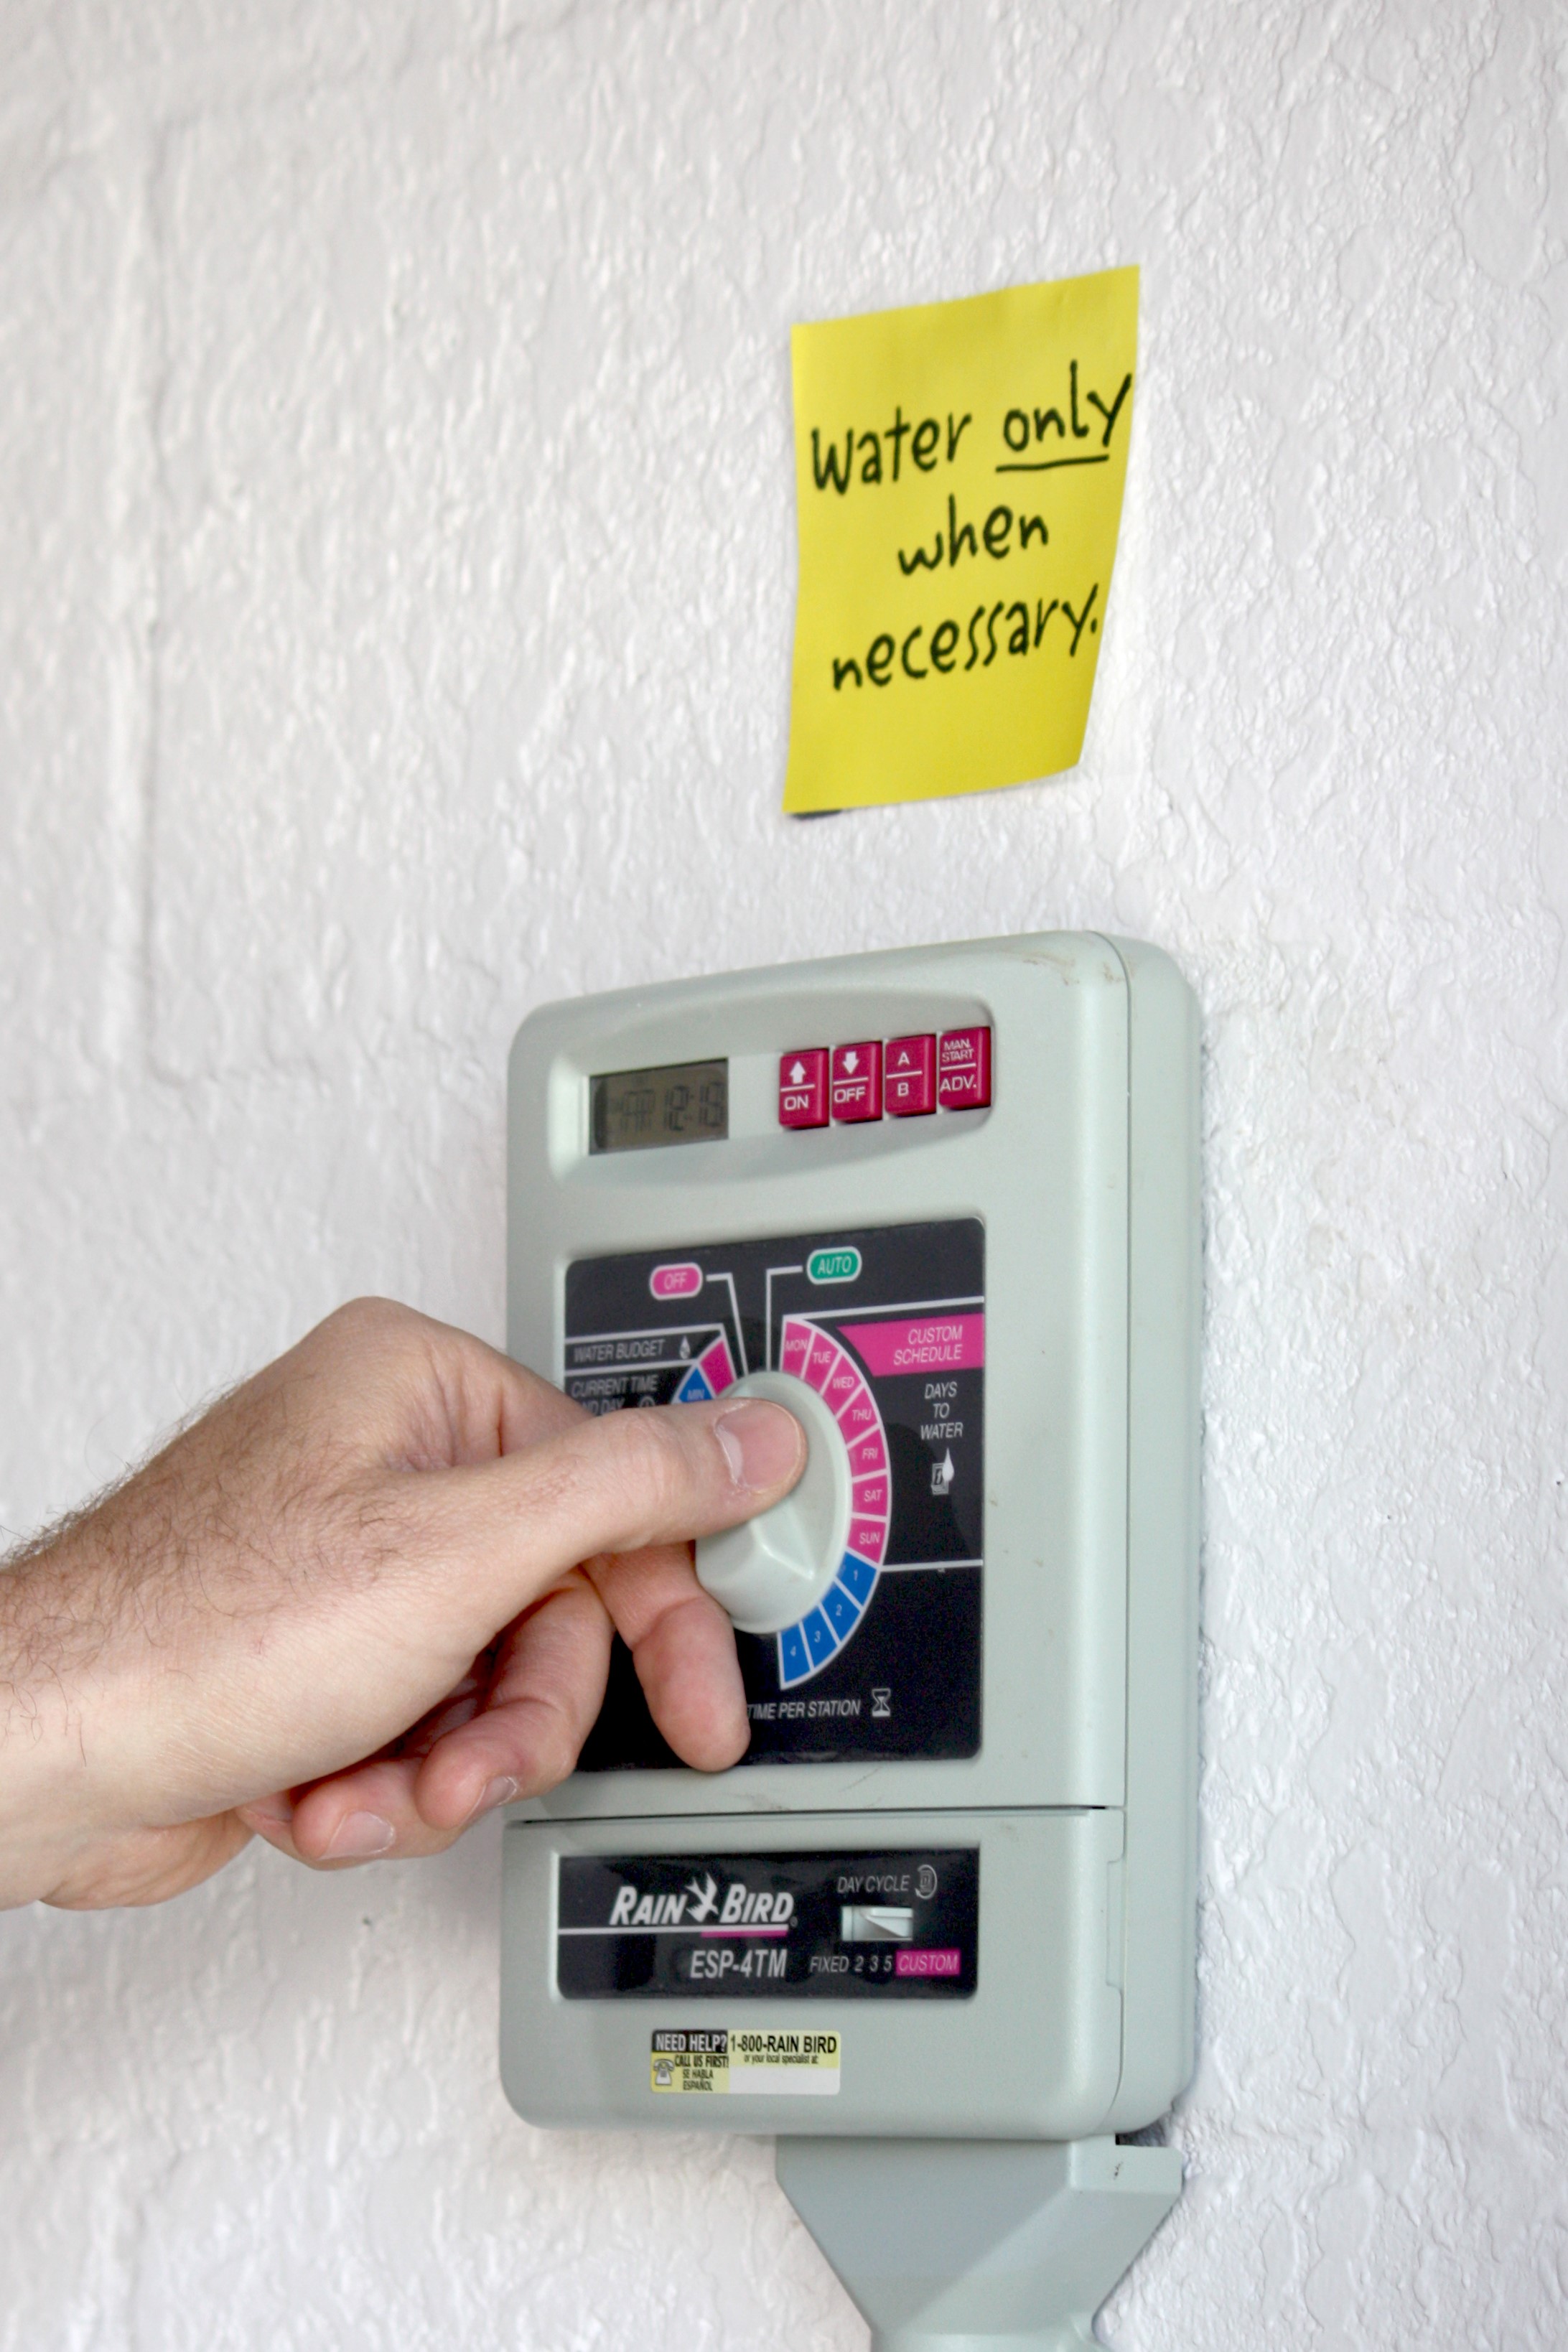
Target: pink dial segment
(857,1415)
(795,1347)
(717,1365)
(821,1363)
(868,1537)
(867,1454)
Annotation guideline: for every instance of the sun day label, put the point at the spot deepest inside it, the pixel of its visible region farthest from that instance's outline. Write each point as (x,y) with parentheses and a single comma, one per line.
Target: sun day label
(958,471)
(720,2058)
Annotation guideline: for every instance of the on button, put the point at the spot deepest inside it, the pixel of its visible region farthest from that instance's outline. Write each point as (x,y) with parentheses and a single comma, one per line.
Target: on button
(803,1088)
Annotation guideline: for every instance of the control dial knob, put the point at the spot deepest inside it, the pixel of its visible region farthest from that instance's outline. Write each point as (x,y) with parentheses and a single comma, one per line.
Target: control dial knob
(770,1572)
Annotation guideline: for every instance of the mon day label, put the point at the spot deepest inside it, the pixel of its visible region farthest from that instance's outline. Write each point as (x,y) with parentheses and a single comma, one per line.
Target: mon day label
(737,2059)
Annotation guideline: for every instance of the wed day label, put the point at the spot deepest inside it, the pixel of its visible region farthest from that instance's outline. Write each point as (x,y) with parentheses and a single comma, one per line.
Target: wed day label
(715,2059)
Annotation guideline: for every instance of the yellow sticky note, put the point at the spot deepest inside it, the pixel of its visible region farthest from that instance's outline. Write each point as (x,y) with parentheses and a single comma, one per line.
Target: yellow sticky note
(959,469)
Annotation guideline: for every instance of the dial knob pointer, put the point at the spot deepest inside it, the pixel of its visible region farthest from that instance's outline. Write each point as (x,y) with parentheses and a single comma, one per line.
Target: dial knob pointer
(768,1572)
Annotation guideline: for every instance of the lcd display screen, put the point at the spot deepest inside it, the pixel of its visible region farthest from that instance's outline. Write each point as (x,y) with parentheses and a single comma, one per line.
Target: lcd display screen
(637,1110)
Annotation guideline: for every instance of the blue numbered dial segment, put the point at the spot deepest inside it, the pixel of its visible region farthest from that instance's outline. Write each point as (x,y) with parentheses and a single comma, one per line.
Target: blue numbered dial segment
(887,1325)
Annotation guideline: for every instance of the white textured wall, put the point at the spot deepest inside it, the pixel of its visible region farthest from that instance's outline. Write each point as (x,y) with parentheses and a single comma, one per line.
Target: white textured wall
(396,578)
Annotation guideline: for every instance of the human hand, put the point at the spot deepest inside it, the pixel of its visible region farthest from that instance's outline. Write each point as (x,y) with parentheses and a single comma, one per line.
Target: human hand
(366,1597)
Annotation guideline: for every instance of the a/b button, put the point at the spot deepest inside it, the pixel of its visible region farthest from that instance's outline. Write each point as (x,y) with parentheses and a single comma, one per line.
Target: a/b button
(909,1076)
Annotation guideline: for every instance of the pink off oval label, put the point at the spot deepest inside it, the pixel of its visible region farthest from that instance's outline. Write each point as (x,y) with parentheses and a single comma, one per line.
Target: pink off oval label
(936,1343)
(675,1281)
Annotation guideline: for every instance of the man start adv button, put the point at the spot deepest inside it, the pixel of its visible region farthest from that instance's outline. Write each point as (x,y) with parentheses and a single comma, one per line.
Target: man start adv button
(963,1069)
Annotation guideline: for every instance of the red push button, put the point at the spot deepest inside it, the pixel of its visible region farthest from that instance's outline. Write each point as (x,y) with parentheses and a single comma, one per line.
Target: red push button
(803,1088)
(909,1076)
(857,1084)
(963,1069)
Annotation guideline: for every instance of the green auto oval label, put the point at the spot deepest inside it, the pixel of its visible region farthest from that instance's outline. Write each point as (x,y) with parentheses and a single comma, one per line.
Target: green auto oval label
(833,1266)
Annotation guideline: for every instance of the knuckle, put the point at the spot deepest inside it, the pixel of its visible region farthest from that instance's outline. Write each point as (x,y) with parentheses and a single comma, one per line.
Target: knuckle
(654,1465)
(533,1406)
(366,1317)
(381,1337)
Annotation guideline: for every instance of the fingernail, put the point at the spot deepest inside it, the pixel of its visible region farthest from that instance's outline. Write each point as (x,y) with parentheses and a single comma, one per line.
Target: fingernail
(359,1835)
(501,1791)
(763,1442)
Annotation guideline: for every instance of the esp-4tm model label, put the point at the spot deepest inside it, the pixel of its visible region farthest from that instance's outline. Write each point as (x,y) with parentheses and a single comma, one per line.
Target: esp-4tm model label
(741,2059)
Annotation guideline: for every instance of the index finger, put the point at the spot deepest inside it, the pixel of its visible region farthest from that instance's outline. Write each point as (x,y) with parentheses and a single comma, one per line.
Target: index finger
(683,1646)
(623,1484)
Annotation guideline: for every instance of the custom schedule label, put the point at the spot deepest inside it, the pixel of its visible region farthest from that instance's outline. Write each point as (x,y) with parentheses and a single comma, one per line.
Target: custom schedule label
(838,1927)
(888,1324)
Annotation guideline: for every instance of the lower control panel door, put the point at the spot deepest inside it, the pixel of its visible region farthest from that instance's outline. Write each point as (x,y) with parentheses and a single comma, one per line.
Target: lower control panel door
(943,1974)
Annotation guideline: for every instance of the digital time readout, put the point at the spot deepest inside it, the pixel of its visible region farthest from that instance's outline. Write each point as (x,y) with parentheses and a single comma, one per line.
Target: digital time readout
(637,1110)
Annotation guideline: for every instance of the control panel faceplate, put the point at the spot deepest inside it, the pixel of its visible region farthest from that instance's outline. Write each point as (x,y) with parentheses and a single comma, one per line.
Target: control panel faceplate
(1021,1195)
(887,1325)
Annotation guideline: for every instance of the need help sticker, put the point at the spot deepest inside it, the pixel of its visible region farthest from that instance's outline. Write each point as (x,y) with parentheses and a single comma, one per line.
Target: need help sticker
(726,2058)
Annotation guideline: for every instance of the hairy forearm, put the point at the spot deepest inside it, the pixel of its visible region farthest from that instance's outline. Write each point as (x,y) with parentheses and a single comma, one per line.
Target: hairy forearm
(87,1758)
(78,1684)
(50,1632)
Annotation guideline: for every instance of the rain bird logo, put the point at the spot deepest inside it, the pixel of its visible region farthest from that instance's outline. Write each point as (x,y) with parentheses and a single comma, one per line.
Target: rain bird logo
(704,1898)
(631,1909)
(700,1900)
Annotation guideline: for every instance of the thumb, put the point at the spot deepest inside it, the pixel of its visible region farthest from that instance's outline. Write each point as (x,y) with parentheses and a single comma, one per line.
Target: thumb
(620,1483)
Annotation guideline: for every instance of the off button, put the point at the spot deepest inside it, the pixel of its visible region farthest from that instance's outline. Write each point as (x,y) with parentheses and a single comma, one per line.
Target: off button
(856,1083)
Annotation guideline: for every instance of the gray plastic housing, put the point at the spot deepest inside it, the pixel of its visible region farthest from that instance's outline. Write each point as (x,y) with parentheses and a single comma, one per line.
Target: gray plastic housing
(976,2245)
(1084,1173)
